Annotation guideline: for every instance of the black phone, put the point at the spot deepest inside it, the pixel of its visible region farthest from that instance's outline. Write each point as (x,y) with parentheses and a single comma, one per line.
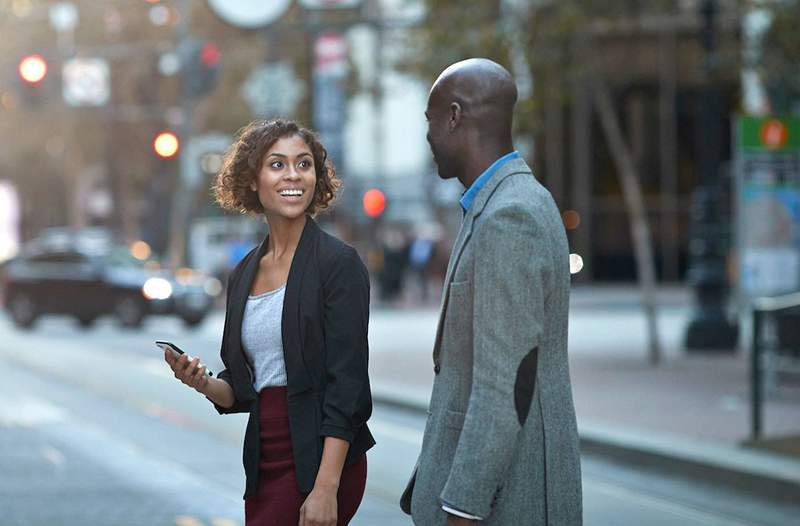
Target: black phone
(174,348)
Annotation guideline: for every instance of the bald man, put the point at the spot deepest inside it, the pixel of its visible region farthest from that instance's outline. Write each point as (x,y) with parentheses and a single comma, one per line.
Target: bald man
(500,444)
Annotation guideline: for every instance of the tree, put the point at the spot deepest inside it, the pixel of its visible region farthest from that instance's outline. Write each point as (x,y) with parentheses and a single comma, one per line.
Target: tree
(780,50)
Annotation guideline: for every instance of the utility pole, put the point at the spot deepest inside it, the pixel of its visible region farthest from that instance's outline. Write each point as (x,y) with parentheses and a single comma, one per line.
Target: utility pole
(710,327)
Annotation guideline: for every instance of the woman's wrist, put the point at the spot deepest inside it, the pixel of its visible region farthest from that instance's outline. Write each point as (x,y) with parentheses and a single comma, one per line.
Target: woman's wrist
(327,484)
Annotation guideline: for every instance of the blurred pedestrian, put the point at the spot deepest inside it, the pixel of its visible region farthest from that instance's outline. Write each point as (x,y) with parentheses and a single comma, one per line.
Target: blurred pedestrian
(395,260)
(501,444)
(420,256)
(295,338)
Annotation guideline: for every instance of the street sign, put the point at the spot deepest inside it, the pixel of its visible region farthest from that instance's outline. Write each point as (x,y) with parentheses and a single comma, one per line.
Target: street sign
(329,112)
(86,82)
(273,90)
(249,14)
(768,187)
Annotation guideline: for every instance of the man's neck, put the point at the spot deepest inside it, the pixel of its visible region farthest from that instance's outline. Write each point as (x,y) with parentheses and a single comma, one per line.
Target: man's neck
(480,162)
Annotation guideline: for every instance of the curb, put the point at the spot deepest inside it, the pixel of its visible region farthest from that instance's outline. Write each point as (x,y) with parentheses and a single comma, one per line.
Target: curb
(767,475)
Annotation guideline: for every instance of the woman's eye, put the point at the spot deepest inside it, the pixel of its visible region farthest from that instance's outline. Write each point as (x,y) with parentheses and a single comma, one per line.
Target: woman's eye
(276,164)
(305,164)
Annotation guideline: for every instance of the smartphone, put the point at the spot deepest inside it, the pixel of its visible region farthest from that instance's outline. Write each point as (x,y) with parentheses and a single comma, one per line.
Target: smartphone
(174,348)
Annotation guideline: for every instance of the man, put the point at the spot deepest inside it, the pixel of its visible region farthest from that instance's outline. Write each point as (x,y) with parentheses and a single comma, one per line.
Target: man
(501,444)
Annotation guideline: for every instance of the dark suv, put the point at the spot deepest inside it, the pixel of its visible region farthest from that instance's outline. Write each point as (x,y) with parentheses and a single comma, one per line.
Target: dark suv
(89,283)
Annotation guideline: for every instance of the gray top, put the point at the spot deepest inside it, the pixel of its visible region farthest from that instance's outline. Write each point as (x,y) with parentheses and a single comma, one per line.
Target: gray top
(262,338)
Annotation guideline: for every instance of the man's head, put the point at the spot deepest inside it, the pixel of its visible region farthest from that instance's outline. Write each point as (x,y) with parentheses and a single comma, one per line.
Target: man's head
(470,109)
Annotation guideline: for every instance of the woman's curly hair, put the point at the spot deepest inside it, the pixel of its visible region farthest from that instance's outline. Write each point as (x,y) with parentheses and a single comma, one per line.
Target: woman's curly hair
(245,157)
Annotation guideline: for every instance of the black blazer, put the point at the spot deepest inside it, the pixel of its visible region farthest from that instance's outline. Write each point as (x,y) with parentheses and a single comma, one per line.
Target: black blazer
(324,325)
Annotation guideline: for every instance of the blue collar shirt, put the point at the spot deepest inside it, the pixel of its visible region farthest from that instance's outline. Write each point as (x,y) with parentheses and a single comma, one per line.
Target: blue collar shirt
(469,195)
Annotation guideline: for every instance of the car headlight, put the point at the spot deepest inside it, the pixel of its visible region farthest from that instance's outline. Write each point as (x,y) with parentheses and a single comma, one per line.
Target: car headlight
(157,289)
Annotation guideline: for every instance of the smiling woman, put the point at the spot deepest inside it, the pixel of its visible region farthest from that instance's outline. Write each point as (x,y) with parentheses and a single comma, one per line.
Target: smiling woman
(295,338)
(255,151)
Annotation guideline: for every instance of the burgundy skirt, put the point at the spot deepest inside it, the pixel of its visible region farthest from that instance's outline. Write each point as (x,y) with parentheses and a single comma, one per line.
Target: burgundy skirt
(278,501)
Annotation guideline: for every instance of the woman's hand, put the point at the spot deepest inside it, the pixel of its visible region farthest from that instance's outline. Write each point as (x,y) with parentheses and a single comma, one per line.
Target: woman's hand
(191,373)
(320,507)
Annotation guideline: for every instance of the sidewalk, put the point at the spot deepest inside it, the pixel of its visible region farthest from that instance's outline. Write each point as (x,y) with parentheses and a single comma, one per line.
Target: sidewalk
(691,407)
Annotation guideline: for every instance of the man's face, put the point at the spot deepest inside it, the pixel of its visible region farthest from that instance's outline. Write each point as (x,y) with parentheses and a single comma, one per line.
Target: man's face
(439,136)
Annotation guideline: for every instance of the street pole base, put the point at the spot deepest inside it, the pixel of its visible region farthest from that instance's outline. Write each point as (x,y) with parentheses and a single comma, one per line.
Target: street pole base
(719,336)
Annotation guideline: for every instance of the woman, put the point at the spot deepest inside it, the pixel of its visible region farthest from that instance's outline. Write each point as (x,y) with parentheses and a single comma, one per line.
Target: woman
(295,339)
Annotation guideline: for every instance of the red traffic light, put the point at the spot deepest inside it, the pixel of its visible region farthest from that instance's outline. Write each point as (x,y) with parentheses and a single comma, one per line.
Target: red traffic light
(374,202)
(33,68)
(166,144)
(209,54)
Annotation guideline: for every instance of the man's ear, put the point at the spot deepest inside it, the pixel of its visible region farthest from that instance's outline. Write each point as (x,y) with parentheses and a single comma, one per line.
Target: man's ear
(455,116)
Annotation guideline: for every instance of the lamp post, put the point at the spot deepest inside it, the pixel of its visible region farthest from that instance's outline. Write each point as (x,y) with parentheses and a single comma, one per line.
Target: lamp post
(710,327)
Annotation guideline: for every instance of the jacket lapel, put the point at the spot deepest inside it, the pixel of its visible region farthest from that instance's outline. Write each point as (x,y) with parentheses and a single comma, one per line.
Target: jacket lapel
(465,233)
(238,299)
(296,372)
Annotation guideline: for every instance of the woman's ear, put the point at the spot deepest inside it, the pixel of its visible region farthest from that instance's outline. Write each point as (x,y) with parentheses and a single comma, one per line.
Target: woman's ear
(253,186)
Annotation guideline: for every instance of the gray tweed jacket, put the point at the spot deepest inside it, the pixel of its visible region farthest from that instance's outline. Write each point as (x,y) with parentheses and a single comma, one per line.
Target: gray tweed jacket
(501,441)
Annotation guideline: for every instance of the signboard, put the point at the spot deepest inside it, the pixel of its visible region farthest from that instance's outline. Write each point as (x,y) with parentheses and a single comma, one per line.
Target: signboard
(273,90)
(86,82)
(329,112)
(768,187)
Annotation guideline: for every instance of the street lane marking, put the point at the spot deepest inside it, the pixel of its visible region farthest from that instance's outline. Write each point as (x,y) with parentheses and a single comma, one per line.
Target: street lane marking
(28,412)
(660,504)
(171,416)
(185,520)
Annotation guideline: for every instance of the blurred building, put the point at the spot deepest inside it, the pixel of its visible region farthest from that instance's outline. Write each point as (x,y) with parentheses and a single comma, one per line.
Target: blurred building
(655,67)
(338,66)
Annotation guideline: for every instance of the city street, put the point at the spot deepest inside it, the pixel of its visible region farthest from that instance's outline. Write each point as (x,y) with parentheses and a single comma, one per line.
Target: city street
(94,430)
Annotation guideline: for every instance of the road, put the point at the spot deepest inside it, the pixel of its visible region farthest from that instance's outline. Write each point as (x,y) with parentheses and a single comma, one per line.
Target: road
(95,430)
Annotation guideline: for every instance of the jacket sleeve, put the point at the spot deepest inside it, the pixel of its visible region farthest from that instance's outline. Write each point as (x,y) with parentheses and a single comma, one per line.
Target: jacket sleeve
(510,282)
(225,374)
(348,402)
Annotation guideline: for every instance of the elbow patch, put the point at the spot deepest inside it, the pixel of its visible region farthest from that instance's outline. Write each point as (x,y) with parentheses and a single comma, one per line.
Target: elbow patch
(525,384)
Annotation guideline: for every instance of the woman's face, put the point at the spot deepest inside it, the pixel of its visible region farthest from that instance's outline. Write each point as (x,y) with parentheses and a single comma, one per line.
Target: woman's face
(286,182)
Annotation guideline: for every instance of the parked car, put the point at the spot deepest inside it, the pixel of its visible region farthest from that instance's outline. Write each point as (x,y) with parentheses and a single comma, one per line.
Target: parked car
(87,283)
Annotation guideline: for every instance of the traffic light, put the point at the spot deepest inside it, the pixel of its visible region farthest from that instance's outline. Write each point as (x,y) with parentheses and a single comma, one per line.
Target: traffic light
(374,203)
(200,63)
(166,145)
(32,70)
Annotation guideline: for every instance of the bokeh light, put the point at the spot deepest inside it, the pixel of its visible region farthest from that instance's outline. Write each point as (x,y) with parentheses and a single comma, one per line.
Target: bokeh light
(374,202)
(166,144)
(575,263)
(571,218)
(33,68)
(140,250)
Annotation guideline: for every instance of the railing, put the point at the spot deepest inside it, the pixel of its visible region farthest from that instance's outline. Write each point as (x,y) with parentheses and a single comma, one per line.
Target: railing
(765,309)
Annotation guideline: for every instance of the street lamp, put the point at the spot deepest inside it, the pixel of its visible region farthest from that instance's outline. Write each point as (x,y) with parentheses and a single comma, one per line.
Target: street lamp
(710,328)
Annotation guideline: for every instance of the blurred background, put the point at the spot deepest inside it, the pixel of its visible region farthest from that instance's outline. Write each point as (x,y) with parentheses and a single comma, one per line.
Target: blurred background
(668,133)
